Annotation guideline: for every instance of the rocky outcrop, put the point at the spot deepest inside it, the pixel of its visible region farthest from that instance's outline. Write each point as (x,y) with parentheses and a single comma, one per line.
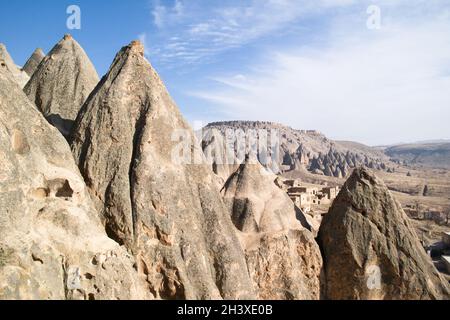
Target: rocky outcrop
(62,83)
(283,258)
(219,155)
(52,243)
(370,248)
(299,150)
(167,211)
(33,62)
(7,63)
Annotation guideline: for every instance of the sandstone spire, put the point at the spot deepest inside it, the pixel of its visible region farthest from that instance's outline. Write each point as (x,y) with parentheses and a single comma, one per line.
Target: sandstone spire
(370,249)
(61,84)
(283,258)
(52,243)
(170,214)
(6,62)
(33,62)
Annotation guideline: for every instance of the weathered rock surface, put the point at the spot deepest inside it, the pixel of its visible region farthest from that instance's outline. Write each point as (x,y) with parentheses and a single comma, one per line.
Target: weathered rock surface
(303,149)
(33,62)
(370,248)
(169,213)
(62,83)
(283,258)
(218,154)
(52,243)
(6,62)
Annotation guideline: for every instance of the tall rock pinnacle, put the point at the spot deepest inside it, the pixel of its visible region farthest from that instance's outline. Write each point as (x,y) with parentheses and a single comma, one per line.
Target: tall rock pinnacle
(370,249)
(33,62)
(283,257)
(170,215)
(62,83)
(6,62)
(52,243)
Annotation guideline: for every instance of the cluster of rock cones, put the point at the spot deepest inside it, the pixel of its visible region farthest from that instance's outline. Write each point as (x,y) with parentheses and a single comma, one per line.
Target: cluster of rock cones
(92,207)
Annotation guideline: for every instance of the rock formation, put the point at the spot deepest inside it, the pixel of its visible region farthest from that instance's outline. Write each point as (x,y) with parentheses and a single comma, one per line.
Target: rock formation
(370,249)
(7,63)
(52,243)
(170,214)
(304,149)
(283,258)
(33,62)
(219,155)
(62,83)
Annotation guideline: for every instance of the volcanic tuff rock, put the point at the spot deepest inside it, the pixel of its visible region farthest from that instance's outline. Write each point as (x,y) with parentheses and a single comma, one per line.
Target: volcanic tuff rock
(283,258)
(370,249)
(307,149)
(52,244)
(33,62)
(62,83)
(217,153)
(170,214)
(6,62)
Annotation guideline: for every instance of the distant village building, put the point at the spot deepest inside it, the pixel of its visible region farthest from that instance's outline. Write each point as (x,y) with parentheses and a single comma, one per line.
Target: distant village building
(331,192)
(305,197)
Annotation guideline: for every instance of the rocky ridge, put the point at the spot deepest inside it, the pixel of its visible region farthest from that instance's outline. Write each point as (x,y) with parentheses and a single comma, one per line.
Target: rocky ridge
(306,150)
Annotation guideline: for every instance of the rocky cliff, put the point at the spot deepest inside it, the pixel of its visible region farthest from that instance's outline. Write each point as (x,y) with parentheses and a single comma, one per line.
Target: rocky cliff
(301,149)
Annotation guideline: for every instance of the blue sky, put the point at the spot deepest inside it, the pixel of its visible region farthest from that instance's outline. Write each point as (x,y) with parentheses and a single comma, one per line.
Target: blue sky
(310,64)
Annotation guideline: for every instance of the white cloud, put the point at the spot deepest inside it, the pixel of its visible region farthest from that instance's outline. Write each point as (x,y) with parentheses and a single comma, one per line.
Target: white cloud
(376,87)
(163,15)
(214,29)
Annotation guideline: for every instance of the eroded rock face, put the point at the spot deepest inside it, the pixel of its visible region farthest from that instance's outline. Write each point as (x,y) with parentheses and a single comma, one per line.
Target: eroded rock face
(170,214)
(33,62)
(52,243)
(370,249)
(302,149)
(7,63)
(283,258)
(218,154)
(62,83)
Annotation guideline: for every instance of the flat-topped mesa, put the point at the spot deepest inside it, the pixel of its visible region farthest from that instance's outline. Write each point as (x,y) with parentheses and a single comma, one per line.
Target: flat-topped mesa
(33,62)
(61,84)
(169,214)
(370,249)
(6,62)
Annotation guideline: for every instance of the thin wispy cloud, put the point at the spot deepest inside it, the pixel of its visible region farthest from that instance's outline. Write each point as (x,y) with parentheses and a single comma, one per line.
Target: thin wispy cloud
(377,87)
(195,30)
(310,64)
